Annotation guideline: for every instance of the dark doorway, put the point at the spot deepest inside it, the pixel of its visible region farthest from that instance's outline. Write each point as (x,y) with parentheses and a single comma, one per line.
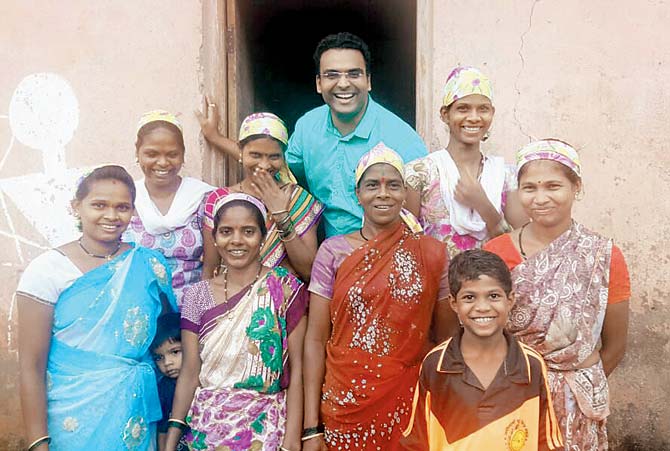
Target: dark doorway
(280,37)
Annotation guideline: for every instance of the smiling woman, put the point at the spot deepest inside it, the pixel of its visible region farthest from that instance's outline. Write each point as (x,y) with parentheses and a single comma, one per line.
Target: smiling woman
(373,301)
(88,309)
(293,212)
(461,196)
(240,386)
(572,292)
(169,207)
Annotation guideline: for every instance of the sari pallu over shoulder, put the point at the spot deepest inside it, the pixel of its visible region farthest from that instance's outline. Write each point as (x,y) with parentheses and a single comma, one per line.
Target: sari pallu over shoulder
(305,212)
(240,403)
(381,311)
(101,385)
(561,299)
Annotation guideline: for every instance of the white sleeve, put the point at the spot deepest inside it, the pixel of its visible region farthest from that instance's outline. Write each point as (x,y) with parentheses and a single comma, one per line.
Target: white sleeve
(47,276)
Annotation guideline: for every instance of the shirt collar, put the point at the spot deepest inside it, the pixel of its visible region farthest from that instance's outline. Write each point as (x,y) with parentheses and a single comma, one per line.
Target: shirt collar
(364,127)
(518,367)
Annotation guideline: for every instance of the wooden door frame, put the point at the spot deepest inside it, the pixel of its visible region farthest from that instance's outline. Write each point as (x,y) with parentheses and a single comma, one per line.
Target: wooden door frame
(218,75)
(425,111)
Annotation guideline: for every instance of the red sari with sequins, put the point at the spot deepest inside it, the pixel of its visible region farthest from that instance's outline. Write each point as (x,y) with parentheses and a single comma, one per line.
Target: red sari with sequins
(381,310)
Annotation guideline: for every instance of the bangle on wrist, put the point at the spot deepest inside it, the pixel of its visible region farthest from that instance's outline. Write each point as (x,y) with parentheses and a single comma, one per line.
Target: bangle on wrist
(318,434)
(274,213)
(40,441)
(285,230)
(176,423)
(284,220)
(313,430)
(289,237)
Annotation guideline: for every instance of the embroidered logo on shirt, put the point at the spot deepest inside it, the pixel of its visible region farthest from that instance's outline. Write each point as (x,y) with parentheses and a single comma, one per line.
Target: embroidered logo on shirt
(516,435)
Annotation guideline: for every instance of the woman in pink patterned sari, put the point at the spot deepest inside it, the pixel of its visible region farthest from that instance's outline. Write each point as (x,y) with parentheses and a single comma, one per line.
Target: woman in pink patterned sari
(572,291)
(240,386)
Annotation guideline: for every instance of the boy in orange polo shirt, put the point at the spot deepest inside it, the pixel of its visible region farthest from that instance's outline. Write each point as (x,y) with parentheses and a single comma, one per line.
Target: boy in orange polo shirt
(482,389)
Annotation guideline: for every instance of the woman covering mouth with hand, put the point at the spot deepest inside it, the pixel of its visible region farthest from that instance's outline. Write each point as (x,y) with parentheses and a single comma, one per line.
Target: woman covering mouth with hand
(461,196)
(169,207)
(293,213)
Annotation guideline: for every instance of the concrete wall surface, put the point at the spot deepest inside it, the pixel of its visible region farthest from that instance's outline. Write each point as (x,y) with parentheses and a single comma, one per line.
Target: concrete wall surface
(594,74)
(76,75)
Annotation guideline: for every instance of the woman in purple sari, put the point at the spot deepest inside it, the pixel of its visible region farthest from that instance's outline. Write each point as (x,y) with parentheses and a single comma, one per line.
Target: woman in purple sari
(240,387)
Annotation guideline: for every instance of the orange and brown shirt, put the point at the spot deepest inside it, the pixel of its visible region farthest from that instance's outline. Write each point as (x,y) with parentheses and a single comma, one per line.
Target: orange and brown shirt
(453,412)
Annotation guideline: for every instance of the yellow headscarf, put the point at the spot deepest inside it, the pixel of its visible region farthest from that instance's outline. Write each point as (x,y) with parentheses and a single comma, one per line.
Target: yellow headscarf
(159,115)
(270,125)
(264,124)
(549,149)
(384,154)
(464,81)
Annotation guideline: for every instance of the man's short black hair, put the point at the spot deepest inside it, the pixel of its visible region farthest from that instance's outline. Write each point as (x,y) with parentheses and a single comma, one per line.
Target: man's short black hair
(343,40)
(472,264)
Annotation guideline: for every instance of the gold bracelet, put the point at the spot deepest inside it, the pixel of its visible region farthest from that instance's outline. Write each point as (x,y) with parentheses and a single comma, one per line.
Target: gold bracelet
(304,439)
(273,213)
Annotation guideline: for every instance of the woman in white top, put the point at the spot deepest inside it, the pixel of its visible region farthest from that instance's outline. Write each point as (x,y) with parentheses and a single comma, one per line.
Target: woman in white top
(169,207)
(461,196)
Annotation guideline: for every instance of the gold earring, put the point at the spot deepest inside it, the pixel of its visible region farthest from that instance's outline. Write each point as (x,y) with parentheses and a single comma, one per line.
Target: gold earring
(579,195)
(240,158)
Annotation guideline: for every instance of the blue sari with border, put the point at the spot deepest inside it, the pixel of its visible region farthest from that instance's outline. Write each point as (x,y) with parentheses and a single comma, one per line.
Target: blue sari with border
(101,385)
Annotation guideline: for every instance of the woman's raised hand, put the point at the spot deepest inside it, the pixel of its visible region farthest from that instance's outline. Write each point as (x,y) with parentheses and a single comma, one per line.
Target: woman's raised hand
(265,187)
(209,125)
(469,192)
(209,120)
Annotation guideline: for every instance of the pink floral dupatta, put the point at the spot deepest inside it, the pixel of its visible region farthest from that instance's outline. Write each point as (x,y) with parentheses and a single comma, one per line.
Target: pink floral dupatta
(561,297)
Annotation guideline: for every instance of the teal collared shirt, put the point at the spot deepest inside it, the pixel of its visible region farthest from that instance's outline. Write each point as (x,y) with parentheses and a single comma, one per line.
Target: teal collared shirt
(324,161)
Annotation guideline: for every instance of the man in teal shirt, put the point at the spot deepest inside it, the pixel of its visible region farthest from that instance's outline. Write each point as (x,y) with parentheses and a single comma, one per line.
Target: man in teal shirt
(329,140)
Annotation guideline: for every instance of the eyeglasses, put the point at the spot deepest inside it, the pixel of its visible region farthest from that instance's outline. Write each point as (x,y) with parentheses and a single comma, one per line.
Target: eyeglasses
(353,74)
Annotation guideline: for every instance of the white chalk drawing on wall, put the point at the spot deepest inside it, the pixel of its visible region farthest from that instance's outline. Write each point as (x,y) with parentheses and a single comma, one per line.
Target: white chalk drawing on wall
(43,115)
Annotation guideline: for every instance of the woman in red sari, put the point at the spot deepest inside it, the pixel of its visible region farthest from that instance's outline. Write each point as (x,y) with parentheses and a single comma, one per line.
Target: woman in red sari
(572,291)
(374,295)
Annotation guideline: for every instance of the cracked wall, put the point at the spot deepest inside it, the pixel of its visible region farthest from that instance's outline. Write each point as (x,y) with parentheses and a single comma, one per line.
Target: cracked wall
(594,74)
(74,81)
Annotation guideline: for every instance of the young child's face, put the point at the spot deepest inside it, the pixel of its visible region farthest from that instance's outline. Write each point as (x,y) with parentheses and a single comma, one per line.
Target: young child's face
(482,306)
(168,358)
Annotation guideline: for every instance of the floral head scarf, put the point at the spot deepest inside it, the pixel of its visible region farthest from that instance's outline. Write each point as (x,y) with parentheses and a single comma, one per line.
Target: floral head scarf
(549,149)
(464,81)
(379,154)
(264,124)
(271,125)
(223,200)
(159,115)
(383,154)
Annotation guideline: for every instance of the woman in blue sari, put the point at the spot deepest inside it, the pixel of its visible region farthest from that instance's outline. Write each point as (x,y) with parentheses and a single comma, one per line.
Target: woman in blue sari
(87,315)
